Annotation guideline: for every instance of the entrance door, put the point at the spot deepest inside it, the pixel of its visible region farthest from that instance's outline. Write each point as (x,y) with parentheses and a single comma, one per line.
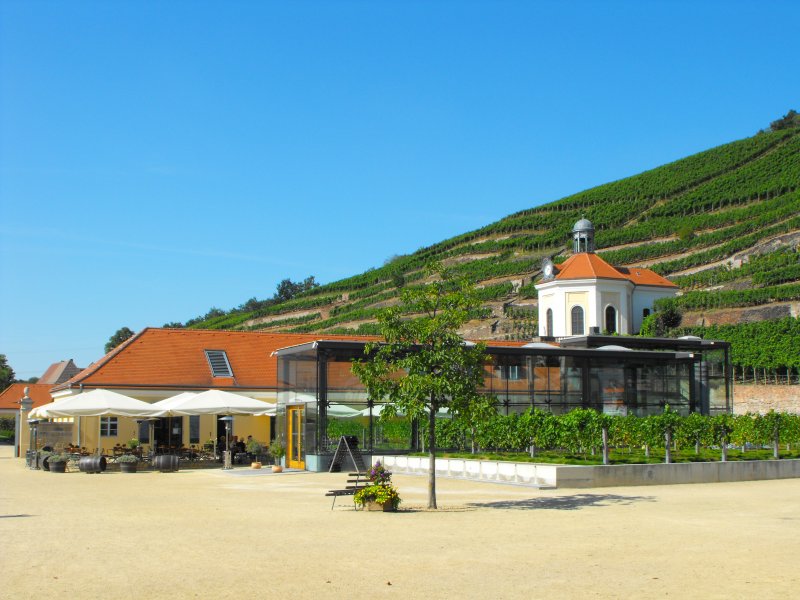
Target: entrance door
(294,430)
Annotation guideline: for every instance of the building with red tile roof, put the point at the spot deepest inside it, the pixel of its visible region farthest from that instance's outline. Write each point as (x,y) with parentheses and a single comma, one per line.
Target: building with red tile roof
(59,372)
(159,362)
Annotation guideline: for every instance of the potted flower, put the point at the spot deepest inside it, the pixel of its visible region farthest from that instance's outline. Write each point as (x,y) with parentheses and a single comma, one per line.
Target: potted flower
(278,451)
(127,463)
(133,444)
(255,449)
(380,494)
(58,462)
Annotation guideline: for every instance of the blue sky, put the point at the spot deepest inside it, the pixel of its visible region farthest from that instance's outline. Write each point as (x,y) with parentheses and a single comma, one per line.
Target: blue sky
(161,158)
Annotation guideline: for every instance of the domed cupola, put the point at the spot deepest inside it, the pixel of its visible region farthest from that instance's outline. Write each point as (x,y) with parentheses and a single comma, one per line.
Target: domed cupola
(583,236)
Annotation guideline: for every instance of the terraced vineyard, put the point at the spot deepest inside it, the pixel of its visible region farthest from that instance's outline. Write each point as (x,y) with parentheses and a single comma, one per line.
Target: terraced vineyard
(723,224)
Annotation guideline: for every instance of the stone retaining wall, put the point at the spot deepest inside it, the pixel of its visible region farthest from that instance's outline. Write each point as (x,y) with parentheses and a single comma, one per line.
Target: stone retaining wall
(763,398)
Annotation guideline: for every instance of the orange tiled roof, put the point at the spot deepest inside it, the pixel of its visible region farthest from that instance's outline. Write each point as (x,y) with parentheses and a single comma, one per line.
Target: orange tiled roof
(175,358)
(39,393)
(587,265)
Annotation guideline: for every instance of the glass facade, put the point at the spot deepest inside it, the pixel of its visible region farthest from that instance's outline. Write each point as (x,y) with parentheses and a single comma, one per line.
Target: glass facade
(317,377)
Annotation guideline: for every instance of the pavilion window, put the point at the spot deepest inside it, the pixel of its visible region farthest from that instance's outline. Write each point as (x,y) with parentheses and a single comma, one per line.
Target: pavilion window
(108,426)
(577,320)
(611,319)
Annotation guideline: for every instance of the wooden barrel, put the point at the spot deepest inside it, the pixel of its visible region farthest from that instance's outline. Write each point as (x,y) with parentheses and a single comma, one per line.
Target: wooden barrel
(92,464)
(166,463)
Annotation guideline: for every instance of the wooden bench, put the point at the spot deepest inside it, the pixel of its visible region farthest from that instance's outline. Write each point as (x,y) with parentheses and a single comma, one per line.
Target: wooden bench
(359,482)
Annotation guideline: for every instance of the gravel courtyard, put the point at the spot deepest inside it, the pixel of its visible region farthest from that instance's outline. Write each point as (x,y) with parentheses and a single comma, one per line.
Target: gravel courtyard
(253,534)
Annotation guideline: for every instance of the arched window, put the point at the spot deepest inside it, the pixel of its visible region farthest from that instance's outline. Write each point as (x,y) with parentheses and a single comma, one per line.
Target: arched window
(611,319)
(577,320)
(549,323)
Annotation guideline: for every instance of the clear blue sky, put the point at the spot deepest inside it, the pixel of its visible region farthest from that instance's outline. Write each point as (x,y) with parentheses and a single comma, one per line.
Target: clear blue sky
(161,158)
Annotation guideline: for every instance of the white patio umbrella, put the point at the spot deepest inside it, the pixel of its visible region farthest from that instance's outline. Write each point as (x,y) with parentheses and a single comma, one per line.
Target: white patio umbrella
(42,412)
(342,411)
(270,412)
(99,403)
(218,402)
(164,407)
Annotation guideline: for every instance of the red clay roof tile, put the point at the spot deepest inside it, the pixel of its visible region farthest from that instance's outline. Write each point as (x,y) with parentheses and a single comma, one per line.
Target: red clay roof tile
(587,265)
(175,358)
(39,393)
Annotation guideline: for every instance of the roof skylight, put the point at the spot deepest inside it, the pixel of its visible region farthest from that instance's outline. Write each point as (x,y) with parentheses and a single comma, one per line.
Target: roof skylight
(218,361)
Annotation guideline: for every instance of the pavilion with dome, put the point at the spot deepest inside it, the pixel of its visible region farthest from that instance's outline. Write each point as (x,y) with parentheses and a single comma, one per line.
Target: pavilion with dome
(586,294)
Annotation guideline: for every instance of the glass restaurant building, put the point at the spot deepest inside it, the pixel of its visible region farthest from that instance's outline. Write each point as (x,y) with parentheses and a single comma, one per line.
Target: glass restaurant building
(319,399)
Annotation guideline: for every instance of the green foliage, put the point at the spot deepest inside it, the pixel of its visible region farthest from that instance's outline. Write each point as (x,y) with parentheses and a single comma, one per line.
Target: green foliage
(125,458)
(254,447)
(378,493)
(664,320)
(277,449)
(579,432)
(288,289)
(7,375)
(764,344)
(789,120)
(58,457)
(120,336)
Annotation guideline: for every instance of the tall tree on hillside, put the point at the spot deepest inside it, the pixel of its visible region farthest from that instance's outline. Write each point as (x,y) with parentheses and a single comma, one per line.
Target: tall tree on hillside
(288,289)
(424,365)
(6,373)
(120,336)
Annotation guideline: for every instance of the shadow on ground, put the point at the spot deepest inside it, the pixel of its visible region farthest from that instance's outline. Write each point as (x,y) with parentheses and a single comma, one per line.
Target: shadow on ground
(575,502)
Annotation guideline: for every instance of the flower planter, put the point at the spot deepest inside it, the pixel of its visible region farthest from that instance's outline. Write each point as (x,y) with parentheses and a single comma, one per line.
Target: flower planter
(57,467)
(255,465)
(385,507)
(277,469)
(127,467)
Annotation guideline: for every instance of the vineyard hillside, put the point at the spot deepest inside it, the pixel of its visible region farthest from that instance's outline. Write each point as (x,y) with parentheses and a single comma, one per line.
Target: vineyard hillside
(724,225)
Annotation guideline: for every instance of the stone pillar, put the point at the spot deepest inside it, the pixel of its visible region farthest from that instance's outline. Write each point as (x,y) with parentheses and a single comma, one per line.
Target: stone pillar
(21,428)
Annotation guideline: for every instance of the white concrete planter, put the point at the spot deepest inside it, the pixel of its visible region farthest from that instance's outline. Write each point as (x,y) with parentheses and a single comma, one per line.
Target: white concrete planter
(577,476)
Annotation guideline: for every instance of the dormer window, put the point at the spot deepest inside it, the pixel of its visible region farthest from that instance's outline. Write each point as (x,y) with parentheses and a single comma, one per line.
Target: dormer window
(218,361)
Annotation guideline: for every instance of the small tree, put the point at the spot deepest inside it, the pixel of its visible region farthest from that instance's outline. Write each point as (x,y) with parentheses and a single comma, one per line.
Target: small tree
(666,318)
(424,365)
(6,373)
(120,336)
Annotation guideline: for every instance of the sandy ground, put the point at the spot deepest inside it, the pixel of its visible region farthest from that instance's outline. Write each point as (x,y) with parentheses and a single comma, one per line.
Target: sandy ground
(253,534)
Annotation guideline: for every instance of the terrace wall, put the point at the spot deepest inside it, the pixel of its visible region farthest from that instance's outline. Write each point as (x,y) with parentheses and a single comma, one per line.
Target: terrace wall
(763,398)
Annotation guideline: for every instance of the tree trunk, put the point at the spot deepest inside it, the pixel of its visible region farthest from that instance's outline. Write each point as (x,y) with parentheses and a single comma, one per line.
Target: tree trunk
(668,447)
(724,447)
(432,455)
(697,446)
(776,444)
(647,450)
(606,461)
